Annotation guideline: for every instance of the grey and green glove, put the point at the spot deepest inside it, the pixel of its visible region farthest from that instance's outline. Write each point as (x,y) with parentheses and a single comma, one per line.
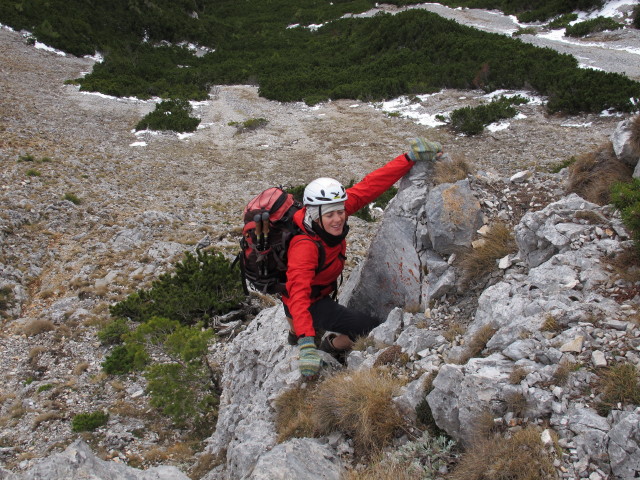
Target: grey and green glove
(423,150)
(310,361)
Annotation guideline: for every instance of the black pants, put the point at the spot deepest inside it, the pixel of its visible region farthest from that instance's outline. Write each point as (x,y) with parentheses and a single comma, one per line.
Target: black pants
(329,315)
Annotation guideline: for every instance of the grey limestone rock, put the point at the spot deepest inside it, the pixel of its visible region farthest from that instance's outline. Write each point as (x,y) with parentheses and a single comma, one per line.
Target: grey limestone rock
(302,458)
(78,462)
(453,215)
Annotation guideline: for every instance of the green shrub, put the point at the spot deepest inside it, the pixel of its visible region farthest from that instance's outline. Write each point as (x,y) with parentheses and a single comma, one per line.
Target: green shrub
(525,31)
(626,198)
(472,120)
(202,285)
(170,115)
(72,197)
(44,388)
(87,422)
(563,21)
(6,297)
(32,172)
(598,24)
(185,389)
(113,333)
(249,125)
(636,16)
(125,359)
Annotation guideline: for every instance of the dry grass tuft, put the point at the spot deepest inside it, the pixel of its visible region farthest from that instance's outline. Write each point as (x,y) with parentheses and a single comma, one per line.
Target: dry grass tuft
(477,343)
(563,370)
(451,171)
(517,375)
(516,403)
(360,405)
(551,324)
(625,264)
(619,384)
(362,343)
(206,462)
(384,471)
(592,174)
(453,331)
(392,355)
(477,262)
(38,326)
(635,135)
(293,414)
(521,457)
(45,417)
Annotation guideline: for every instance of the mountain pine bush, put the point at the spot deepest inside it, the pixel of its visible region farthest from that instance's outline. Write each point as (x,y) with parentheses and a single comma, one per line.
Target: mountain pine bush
(201,286)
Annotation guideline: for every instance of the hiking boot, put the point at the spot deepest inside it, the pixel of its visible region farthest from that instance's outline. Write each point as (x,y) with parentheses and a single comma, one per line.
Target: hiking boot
(327,346)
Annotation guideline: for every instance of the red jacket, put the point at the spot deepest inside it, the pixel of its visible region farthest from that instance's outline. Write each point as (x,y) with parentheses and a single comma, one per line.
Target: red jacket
(303,255)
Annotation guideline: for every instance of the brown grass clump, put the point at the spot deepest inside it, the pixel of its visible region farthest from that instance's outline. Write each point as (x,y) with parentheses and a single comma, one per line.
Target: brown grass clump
(384,471)
(620,384)
(451,171)
(593,174)
(293,414)
(477,343)
(551,324)
(38,326)
(563,370)
(625,264)
(517,375)
(392,355)
(360,405)
(362,343)
(521,457)
(478,262)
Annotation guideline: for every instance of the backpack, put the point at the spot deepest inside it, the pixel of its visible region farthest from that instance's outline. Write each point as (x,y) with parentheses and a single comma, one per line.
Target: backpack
(268,230)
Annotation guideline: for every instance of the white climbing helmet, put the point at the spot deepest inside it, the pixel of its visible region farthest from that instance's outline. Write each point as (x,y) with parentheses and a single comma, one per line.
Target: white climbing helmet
(324,191)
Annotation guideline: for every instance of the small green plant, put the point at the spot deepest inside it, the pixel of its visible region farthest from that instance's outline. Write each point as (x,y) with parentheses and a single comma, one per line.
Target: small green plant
(598,24)
(172,115)
(557,167)
(72,197)
(6,297)
(45,387)
(26,158)
(249,124)
(32,172)
(563,21)
(625,196)
(87,422)
(636,16)
(524,31)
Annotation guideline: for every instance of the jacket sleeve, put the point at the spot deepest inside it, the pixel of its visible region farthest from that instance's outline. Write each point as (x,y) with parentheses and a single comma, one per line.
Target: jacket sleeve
(376,183)
(302,264)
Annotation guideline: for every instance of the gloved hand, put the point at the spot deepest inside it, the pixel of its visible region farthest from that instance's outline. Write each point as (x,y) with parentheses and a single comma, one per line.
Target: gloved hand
(423,150)
(310,361)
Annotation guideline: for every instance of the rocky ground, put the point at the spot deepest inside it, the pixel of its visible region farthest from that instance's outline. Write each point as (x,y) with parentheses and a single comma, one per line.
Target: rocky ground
(141,206)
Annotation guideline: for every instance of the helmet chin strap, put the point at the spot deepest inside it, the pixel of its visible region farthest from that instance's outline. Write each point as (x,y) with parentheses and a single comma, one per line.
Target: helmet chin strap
(320,217)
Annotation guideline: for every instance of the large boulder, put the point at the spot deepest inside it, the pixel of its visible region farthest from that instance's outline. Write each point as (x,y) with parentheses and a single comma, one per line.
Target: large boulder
(391,275)
(259,365)
(623,145)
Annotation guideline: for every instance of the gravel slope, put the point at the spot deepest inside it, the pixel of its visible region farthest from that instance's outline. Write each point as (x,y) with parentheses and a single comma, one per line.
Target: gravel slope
(71,262)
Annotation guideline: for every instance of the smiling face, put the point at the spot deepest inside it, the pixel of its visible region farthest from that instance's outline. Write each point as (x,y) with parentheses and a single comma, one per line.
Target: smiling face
(333,222)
